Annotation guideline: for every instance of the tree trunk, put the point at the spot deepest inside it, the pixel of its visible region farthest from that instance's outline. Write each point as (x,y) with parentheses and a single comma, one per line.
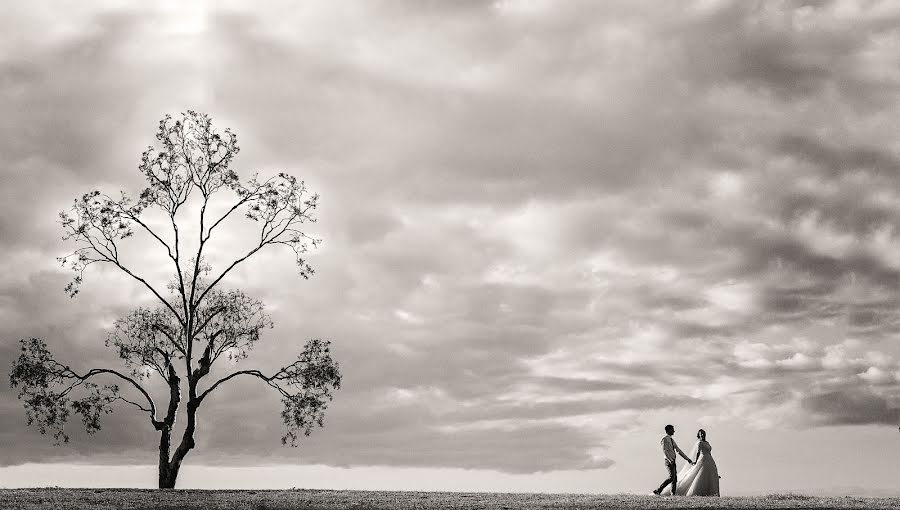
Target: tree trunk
(168,469)
(167,476)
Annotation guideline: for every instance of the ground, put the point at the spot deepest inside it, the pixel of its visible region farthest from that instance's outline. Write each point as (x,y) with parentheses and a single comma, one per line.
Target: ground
(47,499)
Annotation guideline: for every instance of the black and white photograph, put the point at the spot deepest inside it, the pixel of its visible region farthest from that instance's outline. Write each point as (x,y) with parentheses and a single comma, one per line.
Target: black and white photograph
(450,254)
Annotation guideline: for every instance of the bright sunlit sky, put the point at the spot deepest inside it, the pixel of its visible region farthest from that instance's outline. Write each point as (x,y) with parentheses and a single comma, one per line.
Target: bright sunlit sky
(550,228)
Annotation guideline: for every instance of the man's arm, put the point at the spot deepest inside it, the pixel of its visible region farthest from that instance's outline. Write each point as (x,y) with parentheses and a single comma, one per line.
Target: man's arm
(683,455)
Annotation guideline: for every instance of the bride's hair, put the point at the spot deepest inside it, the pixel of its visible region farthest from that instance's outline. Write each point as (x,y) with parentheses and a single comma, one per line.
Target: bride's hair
(701,435)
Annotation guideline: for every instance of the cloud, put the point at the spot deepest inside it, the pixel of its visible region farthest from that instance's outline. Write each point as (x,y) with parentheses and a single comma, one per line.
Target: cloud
(541,221)
(852,407)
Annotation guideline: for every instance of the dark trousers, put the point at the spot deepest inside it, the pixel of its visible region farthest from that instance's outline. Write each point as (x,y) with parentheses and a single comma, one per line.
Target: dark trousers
(673,477)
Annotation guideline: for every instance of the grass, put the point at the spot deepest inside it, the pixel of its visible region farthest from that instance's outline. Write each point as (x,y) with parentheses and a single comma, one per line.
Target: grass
(103,499)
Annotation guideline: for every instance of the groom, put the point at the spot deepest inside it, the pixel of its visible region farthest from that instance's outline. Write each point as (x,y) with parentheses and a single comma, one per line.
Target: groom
(669,448)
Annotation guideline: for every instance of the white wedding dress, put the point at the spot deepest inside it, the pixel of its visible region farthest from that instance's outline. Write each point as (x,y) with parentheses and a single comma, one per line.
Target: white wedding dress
(702,478)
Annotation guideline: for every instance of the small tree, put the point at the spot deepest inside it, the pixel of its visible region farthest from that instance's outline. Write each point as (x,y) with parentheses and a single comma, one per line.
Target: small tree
(196,323)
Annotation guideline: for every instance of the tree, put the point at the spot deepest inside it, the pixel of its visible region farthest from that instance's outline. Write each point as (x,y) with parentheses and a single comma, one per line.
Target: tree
(195,323)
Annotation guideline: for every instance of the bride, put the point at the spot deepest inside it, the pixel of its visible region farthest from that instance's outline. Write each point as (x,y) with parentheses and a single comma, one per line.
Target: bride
(701,478)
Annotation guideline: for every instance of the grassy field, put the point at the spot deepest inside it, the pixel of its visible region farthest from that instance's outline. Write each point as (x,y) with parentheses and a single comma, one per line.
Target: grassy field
(47,499)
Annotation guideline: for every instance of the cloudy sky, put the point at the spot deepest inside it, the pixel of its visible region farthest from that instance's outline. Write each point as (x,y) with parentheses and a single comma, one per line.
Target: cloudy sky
(550,228)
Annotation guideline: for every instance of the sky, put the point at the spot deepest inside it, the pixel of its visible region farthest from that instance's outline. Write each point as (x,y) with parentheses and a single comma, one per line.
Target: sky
(549,229)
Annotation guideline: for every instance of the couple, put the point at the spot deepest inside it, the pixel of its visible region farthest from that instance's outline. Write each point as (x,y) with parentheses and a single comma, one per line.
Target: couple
(700,477)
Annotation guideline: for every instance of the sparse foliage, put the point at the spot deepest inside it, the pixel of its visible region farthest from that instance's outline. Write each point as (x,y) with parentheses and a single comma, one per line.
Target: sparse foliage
(45,386)
(196,323)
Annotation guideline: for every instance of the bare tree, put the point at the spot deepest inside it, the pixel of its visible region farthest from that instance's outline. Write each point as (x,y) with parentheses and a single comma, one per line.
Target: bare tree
(196,323)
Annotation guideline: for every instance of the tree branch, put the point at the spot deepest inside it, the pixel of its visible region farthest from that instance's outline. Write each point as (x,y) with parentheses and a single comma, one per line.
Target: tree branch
(226,271)
(150,287)
(98,371)
(246,197)
(254,373)
(170,338)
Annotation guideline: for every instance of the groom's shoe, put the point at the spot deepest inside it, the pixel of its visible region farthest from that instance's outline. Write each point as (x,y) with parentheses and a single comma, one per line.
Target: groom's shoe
(657,492)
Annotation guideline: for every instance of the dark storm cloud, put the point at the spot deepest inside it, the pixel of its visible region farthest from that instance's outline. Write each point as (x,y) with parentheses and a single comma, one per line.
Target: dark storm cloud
(541,220)
(794,51)
(834,161)
(852,407)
